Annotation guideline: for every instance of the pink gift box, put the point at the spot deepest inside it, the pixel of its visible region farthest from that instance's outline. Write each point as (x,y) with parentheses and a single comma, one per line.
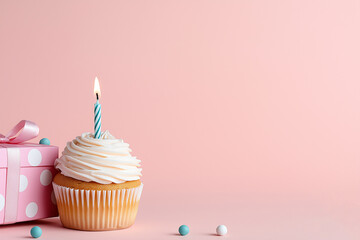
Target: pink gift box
(26,173)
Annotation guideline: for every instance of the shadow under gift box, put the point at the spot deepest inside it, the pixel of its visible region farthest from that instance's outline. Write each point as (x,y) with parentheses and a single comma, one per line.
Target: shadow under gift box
(26,173)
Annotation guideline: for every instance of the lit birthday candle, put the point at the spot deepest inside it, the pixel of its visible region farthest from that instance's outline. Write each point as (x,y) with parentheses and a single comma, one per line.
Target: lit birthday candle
(97,110)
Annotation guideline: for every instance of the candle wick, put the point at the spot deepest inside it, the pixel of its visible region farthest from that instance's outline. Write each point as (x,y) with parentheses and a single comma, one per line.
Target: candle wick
(97,96)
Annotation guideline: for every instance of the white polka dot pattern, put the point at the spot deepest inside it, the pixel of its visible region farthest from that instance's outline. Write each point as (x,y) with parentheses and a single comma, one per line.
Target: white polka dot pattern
(31,192)
(34,157)
(23,183)
(31,209)
(45,177)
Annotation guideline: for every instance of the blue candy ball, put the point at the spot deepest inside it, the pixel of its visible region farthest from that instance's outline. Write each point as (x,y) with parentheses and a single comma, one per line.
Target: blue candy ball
(36,232)
(184,230)
(45,141)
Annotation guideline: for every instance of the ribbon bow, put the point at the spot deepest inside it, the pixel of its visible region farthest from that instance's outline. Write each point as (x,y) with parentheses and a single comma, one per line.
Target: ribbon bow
(23,131)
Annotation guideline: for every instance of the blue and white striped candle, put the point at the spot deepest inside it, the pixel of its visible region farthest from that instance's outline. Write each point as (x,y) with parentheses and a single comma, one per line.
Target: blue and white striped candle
(97,110)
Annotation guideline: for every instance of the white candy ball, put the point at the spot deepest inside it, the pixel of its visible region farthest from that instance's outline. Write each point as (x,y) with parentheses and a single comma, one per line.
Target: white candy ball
(221,230)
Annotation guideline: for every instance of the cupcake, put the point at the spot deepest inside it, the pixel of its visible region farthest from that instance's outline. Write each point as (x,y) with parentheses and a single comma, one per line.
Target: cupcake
(98,187)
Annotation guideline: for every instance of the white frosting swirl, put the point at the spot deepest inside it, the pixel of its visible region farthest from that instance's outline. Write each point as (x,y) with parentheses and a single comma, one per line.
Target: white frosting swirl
(105,160)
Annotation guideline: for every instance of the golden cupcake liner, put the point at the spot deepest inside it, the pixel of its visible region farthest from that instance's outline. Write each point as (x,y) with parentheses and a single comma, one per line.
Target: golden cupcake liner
(97,210)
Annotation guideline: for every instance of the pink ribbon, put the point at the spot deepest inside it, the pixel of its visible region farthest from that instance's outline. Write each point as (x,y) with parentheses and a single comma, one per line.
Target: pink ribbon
(22,132)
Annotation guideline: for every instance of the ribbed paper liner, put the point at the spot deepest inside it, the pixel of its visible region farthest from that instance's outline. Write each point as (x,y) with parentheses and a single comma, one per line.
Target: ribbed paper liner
(97,210)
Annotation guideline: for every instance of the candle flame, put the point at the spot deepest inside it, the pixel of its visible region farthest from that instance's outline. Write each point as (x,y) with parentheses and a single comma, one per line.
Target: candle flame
(97,87)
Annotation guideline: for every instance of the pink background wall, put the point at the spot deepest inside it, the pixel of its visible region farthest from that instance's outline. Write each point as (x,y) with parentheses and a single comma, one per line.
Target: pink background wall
(248,104)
